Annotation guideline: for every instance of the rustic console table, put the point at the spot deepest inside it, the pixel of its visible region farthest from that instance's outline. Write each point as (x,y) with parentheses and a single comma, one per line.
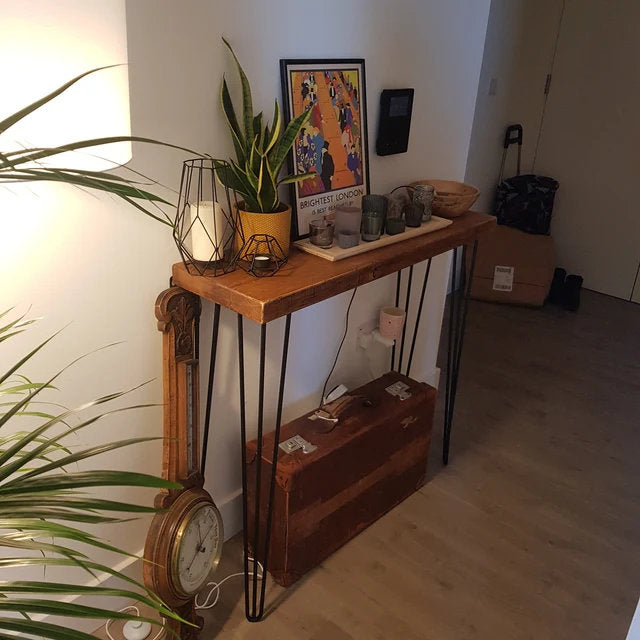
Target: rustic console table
(303,281)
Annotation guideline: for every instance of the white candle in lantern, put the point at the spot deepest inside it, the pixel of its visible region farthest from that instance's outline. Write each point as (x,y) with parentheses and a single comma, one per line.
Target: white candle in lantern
(207,232)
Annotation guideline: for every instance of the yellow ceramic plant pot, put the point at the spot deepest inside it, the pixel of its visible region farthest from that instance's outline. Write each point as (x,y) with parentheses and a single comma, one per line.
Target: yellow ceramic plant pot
(276,224)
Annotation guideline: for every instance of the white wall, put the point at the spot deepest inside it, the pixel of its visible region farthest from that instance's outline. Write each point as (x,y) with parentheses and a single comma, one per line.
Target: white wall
(590,142)
(518,52)
(87,259)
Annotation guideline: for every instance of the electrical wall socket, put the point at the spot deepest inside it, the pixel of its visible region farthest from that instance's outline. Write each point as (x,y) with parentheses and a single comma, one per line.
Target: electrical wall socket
(493,86)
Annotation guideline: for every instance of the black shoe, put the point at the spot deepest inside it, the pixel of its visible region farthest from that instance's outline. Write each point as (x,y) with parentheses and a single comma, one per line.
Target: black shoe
(556,291)
(572,287)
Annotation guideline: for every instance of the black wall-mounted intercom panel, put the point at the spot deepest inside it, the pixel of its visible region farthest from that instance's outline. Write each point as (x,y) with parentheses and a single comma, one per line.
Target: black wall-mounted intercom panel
(395,121)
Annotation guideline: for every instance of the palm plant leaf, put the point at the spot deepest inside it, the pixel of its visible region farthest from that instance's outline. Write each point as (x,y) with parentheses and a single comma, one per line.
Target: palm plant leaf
(86,453)
(16,117)
(38,495)
(41,154)
(26,358)
(24,586)
(29,628)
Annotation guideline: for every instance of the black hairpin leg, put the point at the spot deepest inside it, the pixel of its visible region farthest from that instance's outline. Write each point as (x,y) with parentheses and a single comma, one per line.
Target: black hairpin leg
(419,314)
(393,349)
(407,300)
(254,599)
(458,304)
(212,371)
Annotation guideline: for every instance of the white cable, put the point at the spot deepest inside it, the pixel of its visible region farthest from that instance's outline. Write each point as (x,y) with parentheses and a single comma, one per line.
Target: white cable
(215,587)
(131,608)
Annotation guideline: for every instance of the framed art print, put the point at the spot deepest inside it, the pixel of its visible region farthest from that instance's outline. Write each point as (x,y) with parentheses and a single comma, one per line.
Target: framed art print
(333,143)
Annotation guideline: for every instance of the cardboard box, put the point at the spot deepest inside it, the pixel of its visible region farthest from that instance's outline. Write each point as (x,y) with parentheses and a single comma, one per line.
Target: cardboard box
(513,267)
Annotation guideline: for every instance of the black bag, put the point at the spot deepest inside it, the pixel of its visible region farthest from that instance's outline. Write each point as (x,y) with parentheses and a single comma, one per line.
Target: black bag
(524,202)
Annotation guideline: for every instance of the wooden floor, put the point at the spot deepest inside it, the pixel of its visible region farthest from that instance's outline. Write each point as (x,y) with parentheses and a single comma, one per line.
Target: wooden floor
(531,532)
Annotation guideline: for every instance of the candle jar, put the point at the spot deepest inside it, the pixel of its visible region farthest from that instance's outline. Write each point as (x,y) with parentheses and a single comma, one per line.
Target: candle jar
(206,222)
(262,262)
(208,228)
(321,233)
(374,213)
(348,221)
(413,215)
(378,204)
(395,226)
(371,226)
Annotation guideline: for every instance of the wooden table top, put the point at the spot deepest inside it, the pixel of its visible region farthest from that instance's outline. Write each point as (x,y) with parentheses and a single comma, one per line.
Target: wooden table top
(307,279)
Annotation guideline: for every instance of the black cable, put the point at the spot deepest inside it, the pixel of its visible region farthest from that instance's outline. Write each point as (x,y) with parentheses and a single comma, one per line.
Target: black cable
(344,336)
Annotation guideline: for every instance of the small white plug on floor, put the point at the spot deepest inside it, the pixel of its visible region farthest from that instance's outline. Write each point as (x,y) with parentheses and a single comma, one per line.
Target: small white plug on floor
(136,630)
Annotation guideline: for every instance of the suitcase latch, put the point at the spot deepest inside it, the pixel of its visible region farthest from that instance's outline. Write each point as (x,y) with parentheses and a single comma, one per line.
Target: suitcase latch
(297,442)
(398,389)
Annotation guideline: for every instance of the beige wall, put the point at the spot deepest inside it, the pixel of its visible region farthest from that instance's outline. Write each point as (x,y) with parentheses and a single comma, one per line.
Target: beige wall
(590,142)
(518,53)
(87,259)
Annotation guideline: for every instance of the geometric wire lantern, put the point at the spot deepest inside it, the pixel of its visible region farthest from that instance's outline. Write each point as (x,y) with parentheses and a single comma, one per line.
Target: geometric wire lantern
(261,255)
(206,220)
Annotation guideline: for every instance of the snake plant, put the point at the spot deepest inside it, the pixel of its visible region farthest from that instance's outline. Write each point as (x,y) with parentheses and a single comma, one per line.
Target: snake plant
(44,501)
(26,165)
(261,149)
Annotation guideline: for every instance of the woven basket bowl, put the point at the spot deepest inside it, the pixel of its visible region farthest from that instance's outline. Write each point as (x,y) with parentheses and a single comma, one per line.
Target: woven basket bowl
(451,198)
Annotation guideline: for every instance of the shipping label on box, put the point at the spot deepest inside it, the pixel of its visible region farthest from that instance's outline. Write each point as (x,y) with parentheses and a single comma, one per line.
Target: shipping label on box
(503,278)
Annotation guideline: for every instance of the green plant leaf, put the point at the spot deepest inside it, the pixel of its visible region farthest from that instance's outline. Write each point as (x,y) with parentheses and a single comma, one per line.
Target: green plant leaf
(47,175)
(82,504)
(59,514)
(96,180)
(249,192)
(281,149)
(24,586)
(258,131)
(268,190)
(297,178)
(51,446)
(254,162)
(94,142)
(16,117)
(8,469)
(276,126)
(17,323)
(87,453)
(26,358)
(94,542)
(41,546)
(233,177)
(230,115)
(247,102)
(93,478)
(55,608)
(43,629)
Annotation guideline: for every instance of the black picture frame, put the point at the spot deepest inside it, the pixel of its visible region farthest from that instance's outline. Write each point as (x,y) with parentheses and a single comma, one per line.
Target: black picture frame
(311,198)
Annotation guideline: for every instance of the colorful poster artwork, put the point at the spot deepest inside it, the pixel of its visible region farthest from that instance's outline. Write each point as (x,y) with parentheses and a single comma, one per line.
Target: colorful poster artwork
(332,145)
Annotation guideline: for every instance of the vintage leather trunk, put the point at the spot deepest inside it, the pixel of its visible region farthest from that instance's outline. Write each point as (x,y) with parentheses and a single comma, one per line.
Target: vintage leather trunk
(373,458)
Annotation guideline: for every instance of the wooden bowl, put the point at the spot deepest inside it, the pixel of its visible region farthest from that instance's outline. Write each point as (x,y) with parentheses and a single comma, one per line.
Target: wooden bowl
(451,198)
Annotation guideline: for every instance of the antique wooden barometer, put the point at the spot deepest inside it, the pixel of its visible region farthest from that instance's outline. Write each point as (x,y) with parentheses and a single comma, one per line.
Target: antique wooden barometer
(184,542)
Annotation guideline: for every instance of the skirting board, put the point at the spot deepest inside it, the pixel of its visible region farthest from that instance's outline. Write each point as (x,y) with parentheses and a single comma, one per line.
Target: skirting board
(337,253)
